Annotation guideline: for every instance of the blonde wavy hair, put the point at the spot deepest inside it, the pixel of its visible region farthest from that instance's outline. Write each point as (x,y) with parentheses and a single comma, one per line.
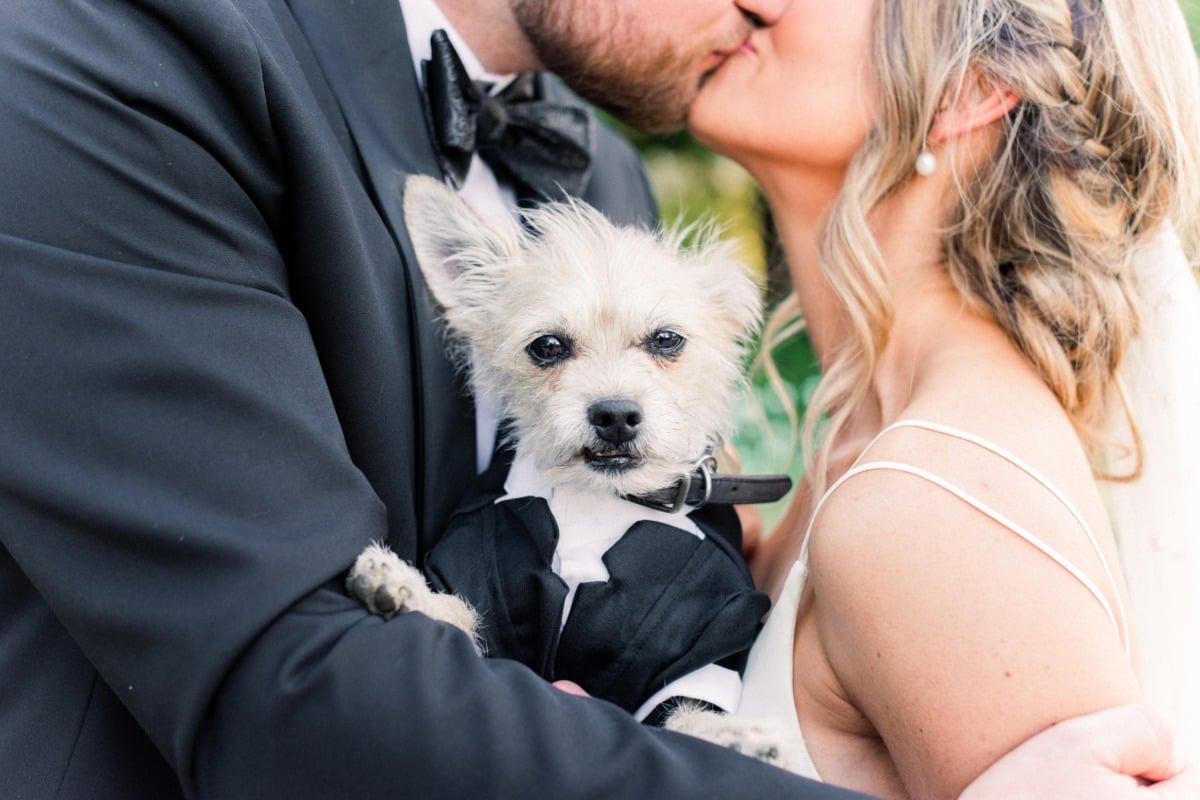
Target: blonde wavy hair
(1102,147)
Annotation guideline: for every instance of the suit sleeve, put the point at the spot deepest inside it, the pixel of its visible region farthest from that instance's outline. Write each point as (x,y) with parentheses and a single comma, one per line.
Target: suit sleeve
(174,480)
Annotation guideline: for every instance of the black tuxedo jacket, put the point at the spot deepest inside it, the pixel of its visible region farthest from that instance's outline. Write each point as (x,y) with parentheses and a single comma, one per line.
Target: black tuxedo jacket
(672,604)
(218,381)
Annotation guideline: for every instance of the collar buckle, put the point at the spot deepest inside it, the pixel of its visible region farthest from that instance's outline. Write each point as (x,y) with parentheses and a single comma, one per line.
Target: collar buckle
(706,465)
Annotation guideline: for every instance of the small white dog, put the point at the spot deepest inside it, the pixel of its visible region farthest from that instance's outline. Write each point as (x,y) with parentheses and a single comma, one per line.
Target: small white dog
(615,354)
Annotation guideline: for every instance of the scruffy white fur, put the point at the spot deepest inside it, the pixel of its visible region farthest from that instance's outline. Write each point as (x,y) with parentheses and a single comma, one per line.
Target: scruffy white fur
(607,289)
(643,321)
(604,289)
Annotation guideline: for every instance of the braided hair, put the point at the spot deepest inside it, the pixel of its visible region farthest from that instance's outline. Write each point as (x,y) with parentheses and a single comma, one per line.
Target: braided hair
(1100,149)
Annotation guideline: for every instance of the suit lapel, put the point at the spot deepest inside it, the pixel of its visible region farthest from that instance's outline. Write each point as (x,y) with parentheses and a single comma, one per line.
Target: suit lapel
(363,50)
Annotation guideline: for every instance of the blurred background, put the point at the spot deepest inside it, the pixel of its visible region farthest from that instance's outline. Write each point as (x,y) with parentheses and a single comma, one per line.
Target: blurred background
(690,182)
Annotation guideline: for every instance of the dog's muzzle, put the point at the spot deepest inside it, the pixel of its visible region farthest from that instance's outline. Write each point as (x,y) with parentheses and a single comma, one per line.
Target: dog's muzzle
(615,424)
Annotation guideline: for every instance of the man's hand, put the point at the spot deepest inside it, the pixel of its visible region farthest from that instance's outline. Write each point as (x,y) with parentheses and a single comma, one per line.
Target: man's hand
(1123,753)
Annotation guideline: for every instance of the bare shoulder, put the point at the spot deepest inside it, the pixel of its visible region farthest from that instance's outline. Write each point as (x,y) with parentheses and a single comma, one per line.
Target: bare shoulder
(930,480)
(954,636)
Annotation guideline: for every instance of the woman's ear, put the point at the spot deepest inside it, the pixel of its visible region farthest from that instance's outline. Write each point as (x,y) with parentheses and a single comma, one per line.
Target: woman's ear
(979,104)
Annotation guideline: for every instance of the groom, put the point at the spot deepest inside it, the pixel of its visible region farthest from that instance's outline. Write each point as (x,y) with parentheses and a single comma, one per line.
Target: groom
(221,380)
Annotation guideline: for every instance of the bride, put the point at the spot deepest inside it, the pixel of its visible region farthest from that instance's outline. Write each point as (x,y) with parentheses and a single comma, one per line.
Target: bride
(963,188)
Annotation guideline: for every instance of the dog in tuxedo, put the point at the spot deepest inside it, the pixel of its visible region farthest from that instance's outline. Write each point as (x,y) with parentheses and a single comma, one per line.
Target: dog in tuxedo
(616,355)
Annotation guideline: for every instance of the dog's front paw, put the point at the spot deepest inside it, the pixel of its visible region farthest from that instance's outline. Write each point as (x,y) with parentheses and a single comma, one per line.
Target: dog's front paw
(763,740)
(388,586)
(383,583)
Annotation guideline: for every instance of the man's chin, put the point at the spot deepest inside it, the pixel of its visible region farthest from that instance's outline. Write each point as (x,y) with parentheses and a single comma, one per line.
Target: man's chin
(658,112)
(655,121)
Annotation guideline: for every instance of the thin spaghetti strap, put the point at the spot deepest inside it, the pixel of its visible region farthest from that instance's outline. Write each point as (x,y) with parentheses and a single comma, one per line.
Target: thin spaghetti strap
(857,468)
(1020,531)
(1032,472)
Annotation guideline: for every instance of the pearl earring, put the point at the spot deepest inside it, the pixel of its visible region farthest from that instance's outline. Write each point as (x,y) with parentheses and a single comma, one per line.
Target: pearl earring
(926,163)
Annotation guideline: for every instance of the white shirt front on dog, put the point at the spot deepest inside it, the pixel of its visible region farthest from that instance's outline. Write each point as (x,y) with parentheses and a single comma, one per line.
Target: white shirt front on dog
(588,525)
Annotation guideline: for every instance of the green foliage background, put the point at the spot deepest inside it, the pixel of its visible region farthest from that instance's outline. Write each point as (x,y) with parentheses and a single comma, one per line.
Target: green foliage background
(691,182)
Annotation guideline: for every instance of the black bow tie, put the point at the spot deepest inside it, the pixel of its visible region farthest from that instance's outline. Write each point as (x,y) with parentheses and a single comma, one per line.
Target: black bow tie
(540,147)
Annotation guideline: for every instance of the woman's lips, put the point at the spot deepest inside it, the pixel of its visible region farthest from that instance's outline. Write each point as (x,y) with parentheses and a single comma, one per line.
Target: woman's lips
(719,57)
(744,46)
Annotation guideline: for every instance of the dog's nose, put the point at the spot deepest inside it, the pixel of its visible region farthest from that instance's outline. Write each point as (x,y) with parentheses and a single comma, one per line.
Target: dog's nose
(615,421)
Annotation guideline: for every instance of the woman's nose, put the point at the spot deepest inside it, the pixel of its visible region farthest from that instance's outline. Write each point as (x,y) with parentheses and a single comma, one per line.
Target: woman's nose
(764,12)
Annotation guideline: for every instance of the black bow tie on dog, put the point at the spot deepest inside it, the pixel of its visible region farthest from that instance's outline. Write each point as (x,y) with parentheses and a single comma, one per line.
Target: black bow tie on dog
(541,147)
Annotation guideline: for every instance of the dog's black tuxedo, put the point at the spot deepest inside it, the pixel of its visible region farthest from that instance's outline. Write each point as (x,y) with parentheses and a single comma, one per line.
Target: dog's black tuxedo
(673,602)
(219,380)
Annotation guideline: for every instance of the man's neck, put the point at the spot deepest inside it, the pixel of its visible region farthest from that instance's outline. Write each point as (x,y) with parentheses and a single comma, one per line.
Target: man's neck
(490,29)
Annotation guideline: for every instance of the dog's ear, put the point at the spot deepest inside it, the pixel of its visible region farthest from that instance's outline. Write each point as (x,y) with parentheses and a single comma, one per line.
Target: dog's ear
(452,242)
(734,294)
(743,300)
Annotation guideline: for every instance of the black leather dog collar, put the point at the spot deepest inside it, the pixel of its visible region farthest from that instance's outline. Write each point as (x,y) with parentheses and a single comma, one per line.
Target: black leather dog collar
(705,486)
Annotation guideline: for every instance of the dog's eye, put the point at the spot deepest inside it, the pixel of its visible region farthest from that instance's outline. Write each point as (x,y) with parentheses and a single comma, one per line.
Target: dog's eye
(548,350)
(665,343)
